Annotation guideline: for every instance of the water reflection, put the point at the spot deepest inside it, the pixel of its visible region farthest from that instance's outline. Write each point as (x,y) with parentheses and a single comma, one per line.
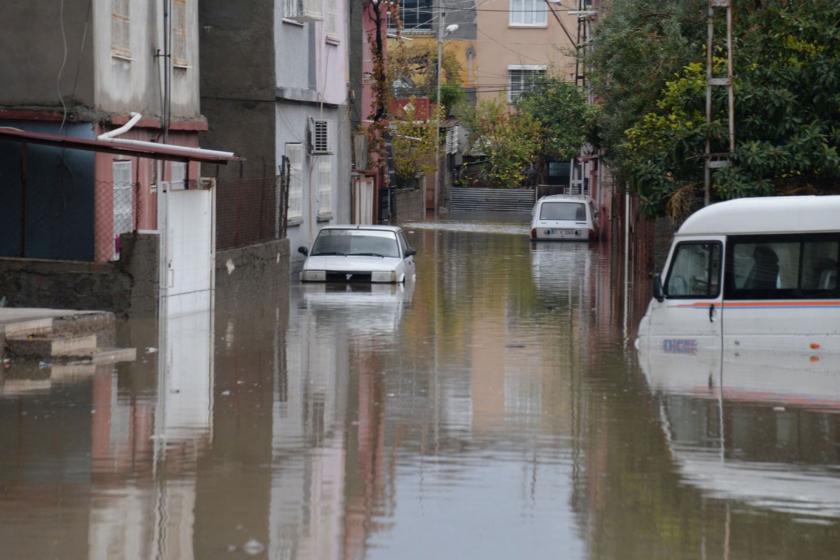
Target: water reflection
(491,409)
(759,427)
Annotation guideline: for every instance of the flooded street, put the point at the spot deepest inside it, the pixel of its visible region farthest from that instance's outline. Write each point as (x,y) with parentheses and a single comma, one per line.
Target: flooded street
(494,408)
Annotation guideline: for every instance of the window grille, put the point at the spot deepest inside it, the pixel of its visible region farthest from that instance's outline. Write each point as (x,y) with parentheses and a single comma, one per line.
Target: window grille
(123,202)
(522,79)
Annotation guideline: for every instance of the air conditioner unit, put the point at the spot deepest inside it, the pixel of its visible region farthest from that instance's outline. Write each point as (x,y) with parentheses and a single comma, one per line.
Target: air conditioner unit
(302,11)
(319,138)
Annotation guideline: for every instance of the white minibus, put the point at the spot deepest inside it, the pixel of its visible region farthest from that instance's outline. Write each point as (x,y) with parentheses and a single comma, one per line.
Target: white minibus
(751,273)
(563,218)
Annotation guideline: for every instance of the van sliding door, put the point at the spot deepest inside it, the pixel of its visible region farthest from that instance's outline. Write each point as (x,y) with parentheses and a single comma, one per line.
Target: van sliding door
(782,293)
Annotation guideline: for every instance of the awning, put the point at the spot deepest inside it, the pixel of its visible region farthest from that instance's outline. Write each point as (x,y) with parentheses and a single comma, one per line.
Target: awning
(132,148)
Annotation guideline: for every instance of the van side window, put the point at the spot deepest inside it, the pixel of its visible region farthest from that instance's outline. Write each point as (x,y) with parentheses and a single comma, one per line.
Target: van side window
(695,270)
(783,267)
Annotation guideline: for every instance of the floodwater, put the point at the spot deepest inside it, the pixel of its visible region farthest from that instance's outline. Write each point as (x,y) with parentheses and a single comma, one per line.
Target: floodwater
(494,408)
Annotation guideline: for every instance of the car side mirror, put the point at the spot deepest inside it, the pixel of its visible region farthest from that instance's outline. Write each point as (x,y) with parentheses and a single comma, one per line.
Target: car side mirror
(410,252)
(658,292)
(303,251)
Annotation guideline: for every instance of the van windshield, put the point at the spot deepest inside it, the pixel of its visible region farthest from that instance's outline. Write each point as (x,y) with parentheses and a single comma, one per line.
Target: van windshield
(356,242)
(568,211)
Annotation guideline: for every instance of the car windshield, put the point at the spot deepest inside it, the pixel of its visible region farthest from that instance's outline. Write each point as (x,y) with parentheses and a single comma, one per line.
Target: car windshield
(571,211)
(356,242)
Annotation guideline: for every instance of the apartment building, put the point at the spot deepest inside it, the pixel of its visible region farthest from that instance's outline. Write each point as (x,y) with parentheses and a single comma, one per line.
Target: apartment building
(520,40)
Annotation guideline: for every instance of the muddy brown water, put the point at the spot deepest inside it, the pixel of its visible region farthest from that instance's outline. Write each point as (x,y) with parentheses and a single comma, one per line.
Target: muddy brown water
(492,409)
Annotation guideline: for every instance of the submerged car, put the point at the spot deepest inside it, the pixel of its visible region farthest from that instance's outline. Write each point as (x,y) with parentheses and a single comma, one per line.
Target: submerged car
(358,254)
(563,218)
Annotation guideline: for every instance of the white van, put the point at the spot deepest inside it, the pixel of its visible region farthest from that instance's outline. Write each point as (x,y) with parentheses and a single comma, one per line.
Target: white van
(563,218)
(752,273)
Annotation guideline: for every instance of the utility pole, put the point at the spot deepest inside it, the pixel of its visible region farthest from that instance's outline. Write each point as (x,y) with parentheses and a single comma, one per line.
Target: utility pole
(718,160)
(441,23)
(584,14)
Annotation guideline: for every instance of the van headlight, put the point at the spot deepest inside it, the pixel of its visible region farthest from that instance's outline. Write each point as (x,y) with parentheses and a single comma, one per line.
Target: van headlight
(383,276)
(313,276)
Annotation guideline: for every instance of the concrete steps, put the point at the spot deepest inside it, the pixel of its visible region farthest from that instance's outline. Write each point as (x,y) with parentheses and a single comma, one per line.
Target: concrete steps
(62,336)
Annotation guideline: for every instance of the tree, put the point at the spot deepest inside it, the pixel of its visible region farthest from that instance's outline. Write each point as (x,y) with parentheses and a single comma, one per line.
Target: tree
(510,142)
(787,91)
(412,68)
(413,145)
(565,118)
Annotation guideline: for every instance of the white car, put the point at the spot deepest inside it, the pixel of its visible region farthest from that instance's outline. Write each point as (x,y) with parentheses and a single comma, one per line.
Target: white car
(563,218)
(358,254)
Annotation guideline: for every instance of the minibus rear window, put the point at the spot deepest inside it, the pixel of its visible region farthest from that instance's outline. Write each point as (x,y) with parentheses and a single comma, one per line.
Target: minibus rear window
(568,211)
(695,270)
(783,267)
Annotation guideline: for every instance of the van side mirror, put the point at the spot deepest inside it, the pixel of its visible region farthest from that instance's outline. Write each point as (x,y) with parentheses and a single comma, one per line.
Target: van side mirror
(410,252)
(658,292)
(303,251)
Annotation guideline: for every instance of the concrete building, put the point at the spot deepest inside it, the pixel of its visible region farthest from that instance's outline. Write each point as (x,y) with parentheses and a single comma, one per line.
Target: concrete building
(518,40)
(273,83)
(78,69)
(421,20)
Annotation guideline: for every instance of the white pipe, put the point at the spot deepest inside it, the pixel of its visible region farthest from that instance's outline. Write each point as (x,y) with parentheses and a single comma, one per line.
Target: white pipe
(183,150)
(124,128)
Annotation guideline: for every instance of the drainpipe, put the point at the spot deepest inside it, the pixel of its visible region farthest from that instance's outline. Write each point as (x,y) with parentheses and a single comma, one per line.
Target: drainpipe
(123,129)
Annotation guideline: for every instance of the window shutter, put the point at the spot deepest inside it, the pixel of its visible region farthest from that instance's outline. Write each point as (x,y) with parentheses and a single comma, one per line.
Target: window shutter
(295,154)
(325,187)
(120,28)
(332,18)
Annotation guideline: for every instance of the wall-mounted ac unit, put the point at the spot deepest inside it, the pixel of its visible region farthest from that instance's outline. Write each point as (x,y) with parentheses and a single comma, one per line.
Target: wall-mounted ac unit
(303,10)
(319,137)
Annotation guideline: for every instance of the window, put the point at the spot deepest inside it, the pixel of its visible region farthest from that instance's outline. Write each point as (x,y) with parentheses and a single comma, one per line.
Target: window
(120,29)
(123,203)
(416,15)
(331,20)
(356,242)
(325,188)
(522,79)
(695,271)
(179,34)
(178,175)
(783,267)
(295,154)
(568,211)
(530,13)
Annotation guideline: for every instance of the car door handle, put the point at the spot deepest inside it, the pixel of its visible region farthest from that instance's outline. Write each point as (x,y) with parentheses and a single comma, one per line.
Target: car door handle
(712,313)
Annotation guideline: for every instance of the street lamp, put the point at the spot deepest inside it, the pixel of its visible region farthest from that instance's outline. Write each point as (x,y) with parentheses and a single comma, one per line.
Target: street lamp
(452,28)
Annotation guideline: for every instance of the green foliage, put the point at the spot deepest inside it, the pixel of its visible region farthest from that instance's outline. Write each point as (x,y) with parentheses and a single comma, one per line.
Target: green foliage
(510,141)
(650,75)
(415,64)
(413,145)
(565,117)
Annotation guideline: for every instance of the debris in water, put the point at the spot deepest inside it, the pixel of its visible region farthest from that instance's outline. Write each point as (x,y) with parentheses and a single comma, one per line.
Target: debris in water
(151,350)
(778,409)
(253,547)
(43,365)
(225,393)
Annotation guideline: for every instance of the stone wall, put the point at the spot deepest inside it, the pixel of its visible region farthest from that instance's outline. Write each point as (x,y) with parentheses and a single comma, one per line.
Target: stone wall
(128,286)
(260,270)
(408,206)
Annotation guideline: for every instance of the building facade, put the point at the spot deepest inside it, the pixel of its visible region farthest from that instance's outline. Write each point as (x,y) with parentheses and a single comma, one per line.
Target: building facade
(274,81)
(518,41)
(80,69)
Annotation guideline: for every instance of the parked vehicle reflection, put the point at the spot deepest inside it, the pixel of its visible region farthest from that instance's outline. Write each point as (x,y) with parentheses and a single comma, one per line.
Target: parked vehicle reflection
(761,427)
